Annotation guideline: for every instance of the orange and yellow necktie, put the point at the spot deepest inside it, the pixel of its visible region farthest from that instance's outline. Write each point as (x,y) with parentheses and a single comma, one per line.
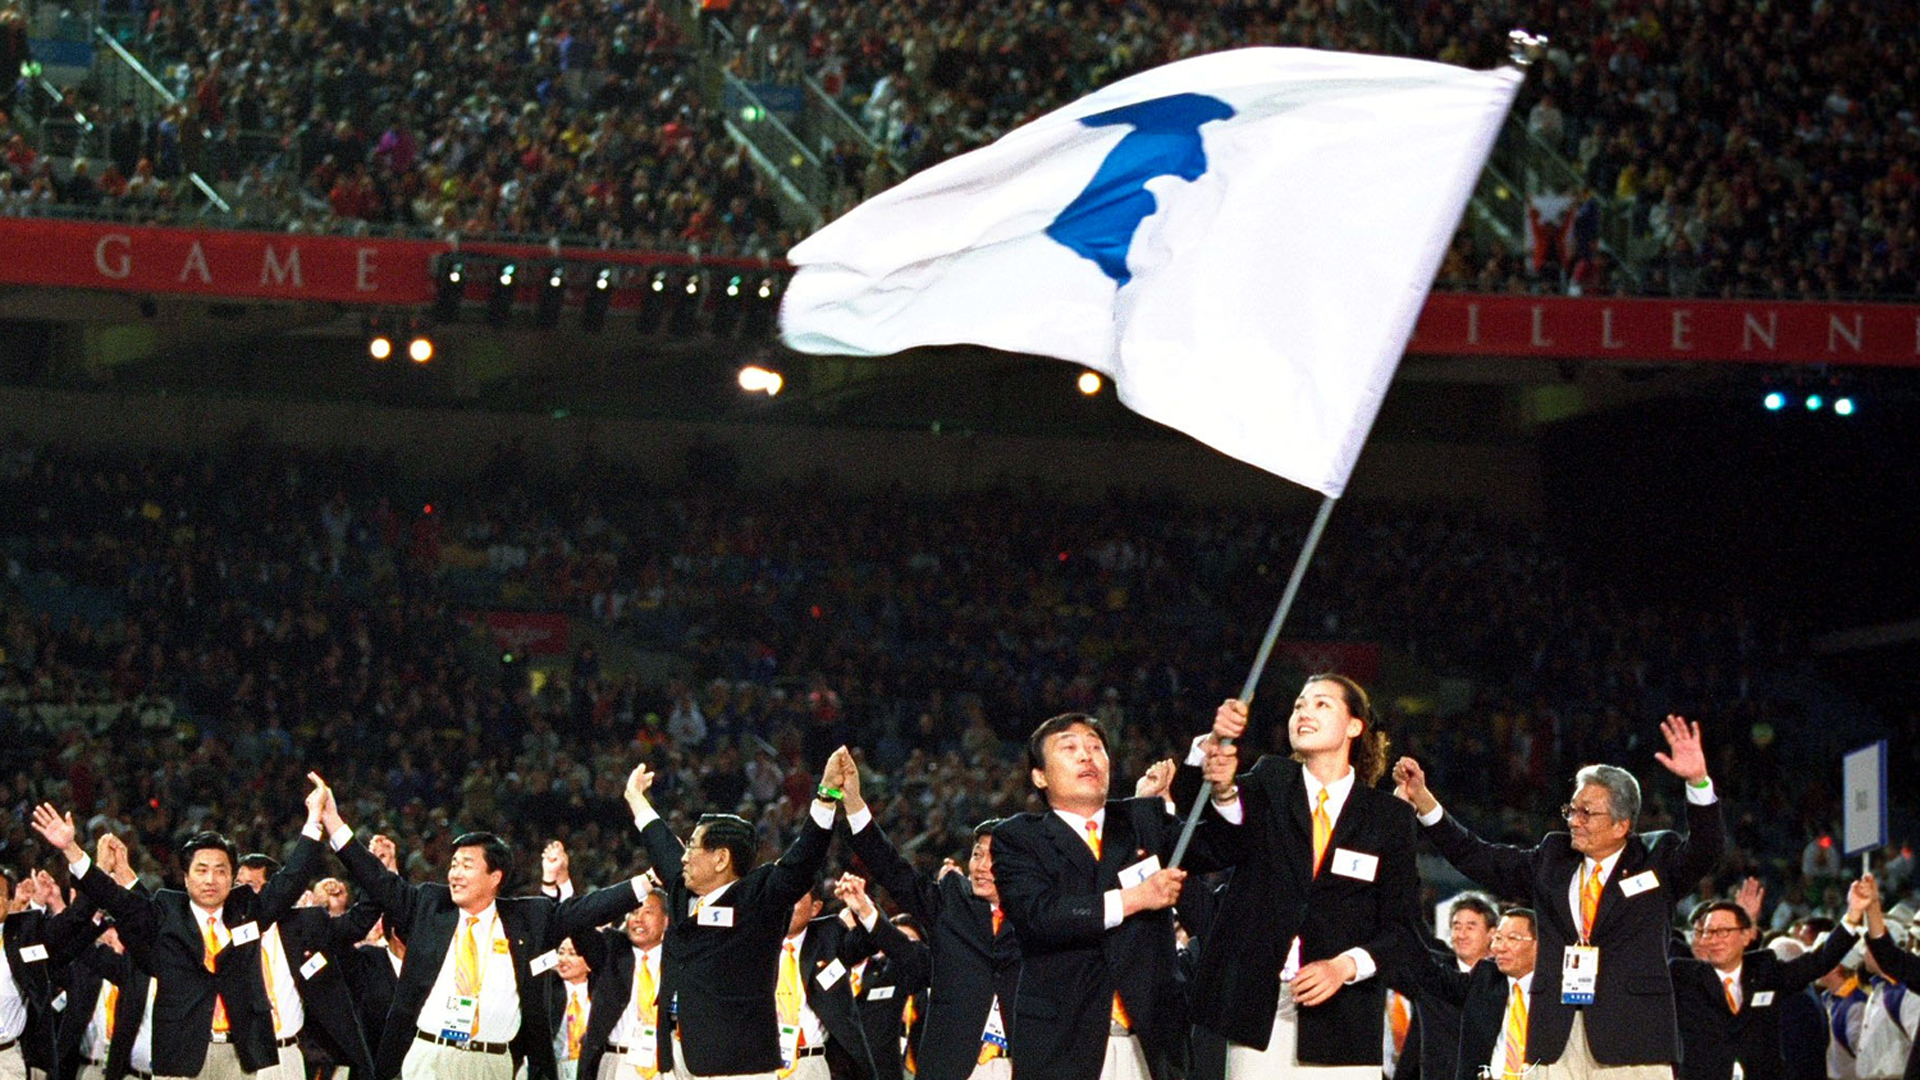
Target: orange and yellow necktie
(1399,1020)
(648,1010)
(909,1016)
(1589,902)
(220,1024)
(998,918)
(273,995)
(113,1004)
(1322,831)
(1514,1035)
(1733,1001)
(576,1025)
(1119,1011)
(1093,838)
(787,994)
(853,977)
(466,967)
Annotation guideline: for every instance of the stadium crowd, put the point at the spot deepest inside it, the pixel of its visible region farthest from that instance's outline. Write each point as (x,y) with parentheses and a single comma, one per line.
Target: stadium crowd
(1775,156)
(185,636)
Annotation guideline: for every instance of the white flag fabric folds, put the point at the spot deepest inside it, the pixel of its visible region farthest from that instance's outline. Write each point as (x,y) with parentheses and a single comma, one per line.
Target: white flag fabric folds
(1241,241)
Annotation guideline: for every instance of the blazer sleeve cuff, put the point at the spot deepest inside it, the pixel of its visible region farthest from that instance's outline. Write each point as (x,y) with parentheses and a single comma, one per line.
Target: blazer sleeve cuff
(1702,795)
(1116,909)
(1433,816)
(859,819)
(78,870)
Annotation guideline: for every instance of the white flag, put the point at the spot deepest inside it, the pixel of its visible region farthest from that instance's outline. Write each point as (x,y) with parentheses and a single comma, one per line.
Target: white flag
(1241,241)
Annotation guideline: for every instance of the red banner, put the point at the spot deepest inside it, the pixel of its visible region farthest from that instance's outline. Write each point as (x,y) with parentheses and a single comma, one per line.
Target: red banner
(528,633)
(1736,331)
(399,273)
(257,265)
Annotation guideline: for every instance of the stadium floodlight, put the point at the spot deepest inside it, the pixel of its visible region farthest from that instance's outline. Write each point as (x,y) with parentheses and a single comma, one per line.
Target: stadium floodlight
(1843,406)
(448,291)
(500,301)
(420,349)
(380,347)
(553,296)
(1815,402)
(1089,383)
(593,312)
(755,379)
(1774,401)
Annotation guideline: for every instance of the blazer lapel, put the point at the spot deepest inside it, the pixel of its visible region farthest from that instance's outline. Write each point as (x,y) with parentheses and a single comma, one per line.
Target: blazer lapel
(1288,794)
(1071,844)
(1632,860)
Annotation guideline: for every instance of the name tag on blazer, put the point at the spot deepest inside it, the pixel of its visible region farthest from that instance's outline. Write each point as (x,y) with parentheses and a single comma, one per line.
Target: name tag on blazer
(880,993)
(33,953)
(544,963)
(1764,997)
(59,1002)
(313,965)
(246,932)
(830,975)
(715,916)
(1639,883)
(1354,864)
(1140,871)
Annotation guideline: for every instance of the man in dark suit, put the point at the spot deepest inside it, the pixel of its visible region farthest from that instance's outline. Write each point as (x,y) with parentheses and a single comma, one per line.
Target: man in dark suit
(624,993)
(36,947)
(303,956)
(1433,1043)
(815,989)
(726,920)
(373,974)
(1729,998)
(965,1029)
(896,969)
(1084,887)
(1325,894)
(465,1006)
(1597,886)
(1492,1001)
(106,994)
(214,1011)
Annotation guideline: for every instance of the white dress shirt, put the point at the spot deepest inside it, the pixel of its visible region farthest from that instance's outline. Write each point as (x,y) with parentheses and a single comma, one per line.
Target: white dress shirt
(13,1004)
(627,1031)
(1498,1062)
(278,973)
(810,1025)
(499,992)
(1113,908)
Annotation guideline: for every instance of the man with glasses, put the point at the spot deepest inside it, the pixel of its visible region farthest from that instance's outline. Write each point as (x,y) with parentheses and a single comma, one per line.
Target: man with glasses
(1492,1000)
(1730,998)
(1603,1004)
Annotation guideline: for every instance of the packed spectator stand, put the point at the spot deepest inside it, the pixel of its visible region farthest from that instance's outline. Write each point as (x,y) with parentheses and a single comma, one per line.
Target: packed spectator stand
(1683,149)
(172,622)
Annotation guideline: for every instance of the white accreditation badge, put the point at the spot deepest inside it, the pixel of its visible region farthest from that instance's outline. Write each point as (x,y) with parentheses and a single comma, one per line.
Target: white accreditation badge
(1579,974)
(462,1010)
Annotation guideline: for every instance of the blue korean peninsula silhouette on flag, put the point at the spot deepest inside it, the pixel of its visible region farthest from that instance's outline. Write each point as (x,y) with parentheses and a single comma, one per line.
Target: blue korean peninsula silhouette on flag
(1242,241)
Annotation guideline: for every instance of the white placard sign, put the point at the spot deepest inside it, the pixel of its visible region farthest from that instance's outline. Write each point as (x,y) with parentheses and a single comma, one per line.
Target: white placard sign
(1864,778)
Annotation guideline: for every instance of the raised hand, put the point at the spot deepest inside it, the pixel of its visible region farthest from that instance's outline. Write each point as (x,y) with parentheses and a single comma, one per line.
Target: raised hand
(49,892)
(555,866)
(110,852)
(330,818)
(852,889)
(834,773)
(1410,786)
(1750,896)
(382,847)
(1862,896)
(850,786)
(316,799)
(1153,783)
(1687,761)
(58,830)
(948,866)
(638,783)
(1230,719)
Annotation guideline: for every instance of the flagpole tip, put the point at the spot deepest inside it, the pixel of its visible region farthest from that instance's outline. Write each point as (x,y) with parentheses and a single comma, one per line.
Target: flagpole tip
(1523,47)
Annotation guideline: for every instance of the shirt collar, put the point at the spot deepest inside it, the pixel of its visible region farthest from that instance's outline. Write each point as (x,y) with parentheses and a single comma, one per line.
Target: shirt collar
(798,941)
(201,915)
(1734,974)
(1524,982)
(486,916)
(1606,865)
(1078,822)
(717,892)
(1337,791)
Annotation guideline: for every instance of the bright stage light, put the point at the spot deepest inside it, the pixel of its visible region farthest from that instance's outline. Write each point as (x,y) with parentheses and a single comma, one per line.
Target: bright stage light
(758,380)
(380,347)
(1089,383)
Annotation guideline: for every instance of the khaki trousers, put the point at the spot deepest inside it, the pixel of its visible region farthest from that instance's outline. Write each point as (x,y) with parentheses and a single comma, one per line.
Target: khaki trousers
(1280,1059)
(1576,1062)
(429,1061)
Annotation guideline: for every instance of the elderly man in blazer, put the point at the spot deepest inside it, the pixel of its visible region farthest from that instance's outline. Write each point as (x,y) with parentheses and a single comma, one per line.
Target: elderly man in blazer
(465,1006)
(1603,1004)
(213,1009)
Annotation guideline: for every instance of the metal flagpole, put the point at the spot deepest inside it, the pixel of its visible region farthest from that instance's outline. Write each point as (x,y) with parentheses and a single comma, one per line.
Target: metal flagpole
(1260,658)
